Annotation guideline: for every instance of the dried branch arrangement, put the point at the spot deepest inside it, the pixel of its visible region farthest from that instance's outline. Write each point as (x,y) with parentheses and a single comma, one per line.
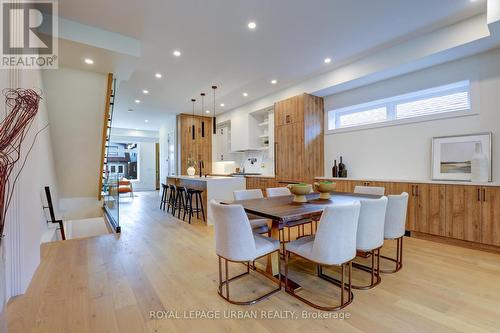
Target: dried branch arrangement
(21,108)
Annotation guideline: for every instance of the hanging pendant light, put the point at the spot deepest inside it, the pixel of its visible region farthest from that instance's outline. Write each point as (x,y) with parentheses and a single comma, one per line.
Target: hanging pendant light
(214,121)
(192,122)
(202,121)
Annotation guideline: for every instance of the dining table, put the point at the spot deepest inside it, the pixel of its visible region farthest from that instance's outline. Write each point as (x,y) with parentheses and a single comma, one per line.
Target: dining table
(282,210)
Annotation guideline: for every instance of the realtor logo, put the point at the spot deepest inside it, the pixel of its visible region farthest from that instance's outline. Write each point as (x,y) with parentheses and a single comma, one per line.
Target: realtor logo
(29,34)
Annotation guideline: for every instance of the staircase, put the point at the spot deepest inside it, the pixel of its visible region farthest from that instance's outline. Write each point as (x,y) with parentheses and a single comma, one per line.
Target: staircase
(108,183)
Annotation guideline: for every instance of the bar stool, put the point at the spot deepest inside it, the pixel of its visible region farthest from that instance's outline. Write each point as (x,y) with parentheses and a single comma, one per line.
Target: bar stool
(190,210)
(235,242)
(394,228)
(180,201)
(164,192)
(171,198)
(333,245)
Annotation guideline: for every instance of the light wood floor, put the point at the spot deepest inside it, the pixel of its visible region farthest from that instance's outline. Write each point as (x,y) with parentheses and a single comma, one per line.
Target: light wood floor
(111,283)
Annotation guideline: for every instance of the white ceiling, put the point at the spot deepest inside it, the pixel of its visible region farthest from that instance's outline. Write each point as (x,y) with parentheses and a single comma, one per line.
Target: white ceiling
(291,40)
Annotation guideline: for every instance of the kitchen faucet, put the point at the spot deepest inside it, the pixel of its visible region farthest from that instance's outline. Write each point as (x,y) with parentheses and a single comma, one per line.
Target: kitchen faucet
(201,165)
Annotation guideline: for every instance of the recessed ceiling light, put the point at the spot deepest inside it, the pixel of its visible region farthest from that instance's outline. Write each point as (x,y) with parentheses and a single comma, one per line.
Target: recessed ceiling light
(145,91)
(89,61)
(158,75)
(274,81)
(222,105)
(130,110)
(208,111)
(245,94)
(252,25)
(177,53)
(328,60)
(146,121)
(137,101)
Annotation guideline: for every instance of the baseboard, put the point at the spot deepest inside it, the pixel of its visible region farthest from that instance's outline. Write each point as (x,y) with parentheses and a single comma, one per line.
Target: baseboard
(456,242)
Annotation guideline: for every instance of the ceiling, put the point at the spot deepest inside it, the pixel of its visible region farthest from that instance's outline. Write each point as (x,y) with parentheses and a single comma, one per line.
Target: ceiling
(291,40)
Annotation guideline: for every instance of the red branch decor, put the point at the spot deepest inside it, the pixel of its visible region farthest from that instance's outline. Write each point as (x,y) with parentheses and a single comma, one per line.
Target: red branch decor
(21,109)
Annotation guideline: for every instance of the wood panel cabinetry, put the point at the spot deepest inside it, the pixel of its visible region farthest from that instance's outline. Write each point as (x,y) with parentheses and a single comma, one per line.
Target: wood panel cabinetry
(200,148)
(460,212)
(299,152)
(490,215)
(261,183)
(463,212)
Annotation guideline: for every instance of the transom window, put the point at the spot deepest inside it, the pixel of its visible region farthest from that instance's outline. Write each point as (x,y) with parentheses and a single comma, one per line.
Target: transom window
(450,99)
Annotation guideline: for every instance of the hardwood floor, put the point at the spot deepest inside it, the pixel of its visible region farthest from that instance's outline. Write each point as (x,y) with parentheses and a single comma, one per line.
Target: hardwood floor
(111,283)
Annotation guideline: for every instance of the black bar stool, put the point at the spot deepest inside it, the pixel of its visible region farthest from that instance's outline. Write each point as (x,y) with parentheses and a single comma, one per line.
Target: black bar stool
(164,192)
(180,203)
(190,210)
(171,198)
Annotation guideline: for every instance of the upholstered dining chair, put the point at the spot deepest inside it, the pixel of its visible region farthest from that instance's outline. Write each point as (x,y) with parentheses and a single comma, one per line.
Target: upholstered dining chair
(258,224)
(235,242)
(300,225)
(333,245)
(374,190)
(370,237)
(394,228)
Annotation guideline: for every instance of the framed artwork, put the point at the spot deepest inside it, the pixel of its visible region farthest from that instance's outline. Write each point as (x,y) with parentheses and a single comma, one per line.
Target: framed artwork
(452,156)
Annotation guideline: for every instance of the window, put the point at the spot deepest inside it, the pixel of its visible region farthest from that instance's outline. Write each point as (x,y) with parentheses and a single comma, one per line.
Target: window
(450,100)
(123,159)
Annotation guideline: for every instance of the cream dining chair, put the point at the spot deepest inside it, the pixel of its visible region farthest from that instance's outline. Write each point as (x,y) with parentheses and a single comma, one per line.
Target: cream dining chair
(333,245)
(235,242)
(394,228)
(283,191)
(373,190)
(259,225)
(370,237)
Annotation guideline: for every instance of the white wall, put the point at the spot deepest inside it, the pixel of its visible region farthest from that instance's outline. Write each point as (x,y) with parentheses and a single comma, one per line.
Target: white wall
(404,151)
(26,223)
(76,102)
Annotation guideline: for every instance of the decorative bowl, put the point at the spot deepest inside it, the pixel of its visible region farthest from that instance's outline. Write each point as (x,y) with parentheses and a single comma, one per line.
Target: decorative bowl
(300,191)
(324,188)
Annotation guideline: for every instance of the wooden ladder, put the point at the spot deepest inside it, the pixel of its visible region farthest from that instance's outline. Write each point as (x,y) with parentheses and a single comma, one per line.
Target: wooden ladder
(106,131)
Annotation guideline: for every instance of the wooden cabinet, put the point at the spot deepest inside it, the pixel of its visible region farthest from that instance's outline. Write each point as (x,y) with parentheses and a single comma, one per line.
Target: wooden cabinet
(200,148)
(343,186)
(463,212)
(490,215)
(427,209)
(299,152)
(260,183)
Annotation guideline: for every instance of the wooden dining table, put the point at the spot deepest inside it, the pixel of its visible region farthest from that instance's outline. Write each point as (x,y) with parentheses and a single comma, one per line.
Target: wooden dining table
(282,210)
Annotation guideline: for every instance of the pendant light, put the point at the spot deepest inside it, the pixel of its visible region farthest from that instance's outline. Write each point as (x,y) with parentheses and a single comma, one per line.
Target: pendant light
(192,123)
(202,121)
(214,121)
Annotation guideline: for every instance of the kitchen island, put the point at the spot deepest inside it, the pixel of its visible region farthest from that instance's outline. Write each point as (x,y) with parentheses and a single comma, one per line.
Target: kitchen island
(217,188)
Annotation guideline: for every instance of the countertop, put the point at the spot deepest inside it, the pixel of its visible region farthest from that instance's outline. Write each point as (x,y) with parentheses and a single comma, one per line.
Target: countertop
(416,181)
(246,176)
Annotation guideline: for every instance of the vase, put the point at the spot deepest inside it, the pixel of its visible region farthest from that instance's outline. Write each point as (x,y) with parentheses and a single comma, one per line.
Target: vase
(3,287)
(191,171)
(479,165)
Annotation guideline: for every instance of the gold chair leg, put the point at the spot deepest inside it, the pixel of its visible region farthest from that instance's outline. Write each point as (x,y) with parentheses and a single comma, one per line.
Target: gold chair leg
(227,280)
(399,258)
(342,305)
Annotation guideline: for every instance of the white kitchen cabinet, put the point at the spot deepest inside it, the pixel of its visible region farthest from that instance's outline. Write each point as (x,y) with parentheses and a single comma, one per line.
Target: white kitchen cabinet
(222,144)
(239,133)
